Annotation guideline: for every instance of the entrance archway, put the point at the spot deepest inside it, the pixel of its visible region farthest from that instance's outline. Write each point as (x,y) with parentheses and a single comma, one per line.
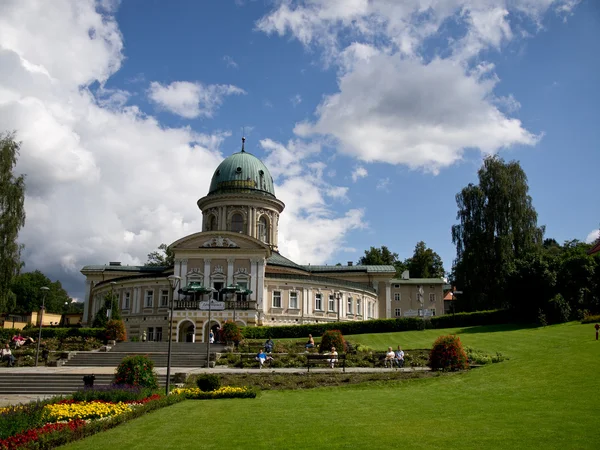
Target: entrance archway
(214,326)
(186,332)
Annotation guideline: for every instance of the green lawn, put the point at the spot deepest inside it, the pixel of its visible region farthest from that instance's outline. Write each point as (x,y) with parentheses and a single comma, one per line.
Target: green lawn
(544,396)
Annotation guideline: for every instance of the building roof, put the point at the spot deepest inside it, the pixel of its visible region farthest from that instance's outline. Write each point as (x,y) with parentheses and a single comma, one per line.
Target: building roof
(367,269)
(334,282)
(418,281)
(595,248)
(120,268)
(449,296)
(276,259)
(242,172)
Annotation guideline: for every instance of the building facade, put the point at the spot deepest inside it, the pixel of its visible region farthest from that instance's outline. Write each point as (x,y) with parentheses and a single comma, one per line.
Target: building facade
(236,258)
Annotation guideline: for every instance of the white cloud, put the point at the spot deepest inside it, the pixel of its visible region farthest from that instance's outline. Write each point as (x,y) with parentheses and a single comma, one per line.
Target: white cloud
(593,236)
(383,185)
(402,111)
(397,104)
(309,230)
(191,100)
(104,181)
(230,62)
(359,172)
(296,100)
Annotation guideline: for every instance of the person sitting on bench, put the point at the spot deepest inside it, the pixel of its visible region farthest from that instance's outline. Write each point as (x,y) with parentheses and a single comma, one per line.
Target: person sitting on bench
(389,358)
(310,343)
(333,358)
(6,355)
(399,358)
(262,357)
(269,345)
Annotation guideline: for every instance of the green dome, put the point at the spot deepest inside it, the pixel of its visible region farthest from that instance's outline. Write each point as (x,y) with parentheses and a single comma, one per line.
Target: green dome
(242,172)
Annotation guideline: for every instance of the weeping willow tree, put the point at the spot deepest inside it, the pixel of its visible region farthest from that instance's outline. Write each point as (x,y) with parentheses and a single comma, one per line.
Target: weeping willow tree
(497,226)
(12,216)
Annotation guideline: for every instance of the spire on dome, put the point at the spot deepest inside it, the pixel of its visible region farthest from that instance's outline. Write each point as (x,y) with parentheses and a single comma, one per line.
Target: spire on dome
(243,141)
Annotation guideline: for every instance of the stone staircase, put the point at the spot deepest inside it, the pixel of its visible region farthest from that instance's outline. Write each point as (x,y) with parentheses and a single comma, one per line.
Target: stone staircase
(183,354)
(51,383)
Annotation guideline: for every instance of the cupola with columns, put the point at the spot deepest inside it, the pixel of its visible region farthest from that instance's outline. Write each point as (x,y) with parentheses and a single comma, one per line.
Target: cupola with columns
(241,199)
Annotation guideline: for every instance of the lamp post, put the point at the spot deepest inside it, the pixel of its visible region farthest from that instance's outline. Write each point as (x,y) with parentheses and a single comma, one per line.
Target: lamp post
(174,281)
(112,296)
(209,291)
(44,290)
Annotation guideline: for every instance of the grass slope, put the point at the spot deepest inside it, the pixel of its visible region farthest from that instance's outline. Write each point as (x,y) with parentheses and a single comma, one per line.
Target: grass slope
(545,396)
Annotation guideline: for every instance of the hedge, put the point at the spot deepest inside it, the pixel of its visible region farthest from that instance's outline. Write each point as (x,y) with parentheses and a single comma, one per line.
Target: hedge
(381,325)
(52,332)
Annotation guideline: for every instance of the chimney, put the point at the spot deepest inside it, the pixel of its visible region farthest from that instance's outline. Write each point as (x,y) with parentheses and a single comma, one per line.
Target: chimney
(349,263)
(114,263)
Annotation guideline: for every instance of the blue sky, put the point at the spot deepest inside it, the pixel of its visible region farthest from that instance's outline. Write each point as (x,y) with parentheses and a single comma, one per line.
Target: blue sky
(371,115)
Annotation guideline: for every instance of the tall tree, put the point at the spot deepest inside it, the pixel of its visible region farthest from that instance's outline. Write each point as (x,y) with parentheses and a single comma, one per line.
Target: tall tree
(12,215)
(425,263)
(382,257)
(164,256)
(26,287)
(497,225)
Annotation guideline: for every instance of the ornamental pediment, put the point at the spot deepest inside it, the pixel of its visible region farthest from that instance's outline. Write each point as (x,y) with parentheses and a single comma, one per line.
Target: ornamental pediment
(220,242)
(211,240)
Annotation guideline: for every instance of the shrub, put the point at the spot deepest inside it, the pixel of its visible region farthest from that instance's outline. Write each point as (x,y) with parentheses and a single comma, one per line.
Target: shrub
(231,332)
(448,354)
(591,319)
(115,331)
(136,371)
(208,382)
(558,310)
(114,393)
(332,338)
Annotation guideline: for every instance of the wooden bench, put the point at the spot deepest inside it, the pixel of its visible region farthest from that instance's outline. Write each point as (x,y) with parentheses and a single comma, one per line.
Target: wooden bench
(314,359)
(382,361)
(252,357)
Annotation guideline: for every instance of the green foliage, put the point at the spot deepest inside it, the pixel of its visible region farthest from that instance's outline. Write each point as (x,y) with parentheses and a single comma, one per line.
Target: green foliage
(208,382)
(111,301)
(163,257)
(591,319)
(332,338)
(497,225)
(482,358)
(113,393)
(115,331)
(378,257)
(448,354)
(231,332)
(381,325)
(29,296)
(12,217)
(53,332)
(19,418)
(136,371)
(425,263)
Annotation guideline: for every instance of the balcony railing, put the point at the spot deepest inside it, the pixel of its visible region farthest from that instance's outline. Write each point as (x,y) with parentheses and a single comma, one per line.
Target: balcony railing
(229,304)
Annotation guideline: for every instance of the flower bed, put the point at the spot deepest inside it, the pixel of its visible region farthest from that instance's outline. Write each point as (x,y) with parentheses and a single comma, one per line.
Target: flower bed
(55,422)
(223,392)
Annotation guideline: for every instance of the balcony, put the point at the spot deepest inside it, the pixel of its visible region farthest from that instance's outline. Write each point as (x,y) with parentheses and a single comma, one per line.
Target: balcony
(187,305)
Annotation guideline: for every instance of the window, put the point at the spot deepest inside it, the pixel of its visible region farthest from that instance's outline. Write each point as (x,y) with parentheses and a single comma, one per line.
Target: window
(397,296)
(212,223)
(164,298)
(126,300)
(369,310)
(432,311)
(158,334)
(150,333)
(149,303)
(263,229)
(432,297)
(349,305)
(243,285)
(397,312)
(237,223)
(397,286)
(293,300)
(358,307)
(276,299)
(319,302)
(217,285)
(331,303)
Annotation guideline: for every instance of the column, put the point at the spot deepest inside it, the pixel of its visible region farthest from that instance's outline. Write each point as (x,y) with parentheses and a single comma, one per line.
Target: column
(388,300)
(223,219)
(230,270)
(253,278)
(310,302)
(260,282)
(86,302)
(183,272)
(207,273)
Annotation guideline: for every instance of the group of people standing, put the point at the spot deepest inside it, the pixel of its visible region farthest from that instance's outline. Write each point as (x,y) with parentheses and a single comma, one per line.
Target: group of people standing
(394,358)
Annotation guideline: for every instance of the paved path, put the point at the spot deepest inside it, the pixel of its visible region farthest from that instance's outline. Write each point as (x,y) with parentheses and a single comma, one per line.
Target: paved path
(24,398)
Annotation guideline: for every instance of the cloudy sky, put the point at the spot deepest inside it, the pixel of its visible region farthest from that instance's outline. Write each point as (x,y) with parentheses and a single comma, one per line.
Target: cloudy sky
(370,114)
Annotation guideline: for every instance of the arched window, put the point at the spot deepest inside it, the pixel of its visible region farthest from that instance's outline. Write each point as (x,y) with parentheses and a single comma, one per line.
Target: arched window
(237,223)
(212,223)
(263,229)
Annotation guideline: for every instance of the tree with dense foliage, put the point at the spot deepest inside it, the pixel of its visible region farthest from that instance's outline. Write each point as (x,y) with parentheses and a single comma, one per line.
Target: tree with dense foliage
(164,256)
(26,287)
(497,226)
(425,263)
(382,257)
(101,319)
(12,216)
